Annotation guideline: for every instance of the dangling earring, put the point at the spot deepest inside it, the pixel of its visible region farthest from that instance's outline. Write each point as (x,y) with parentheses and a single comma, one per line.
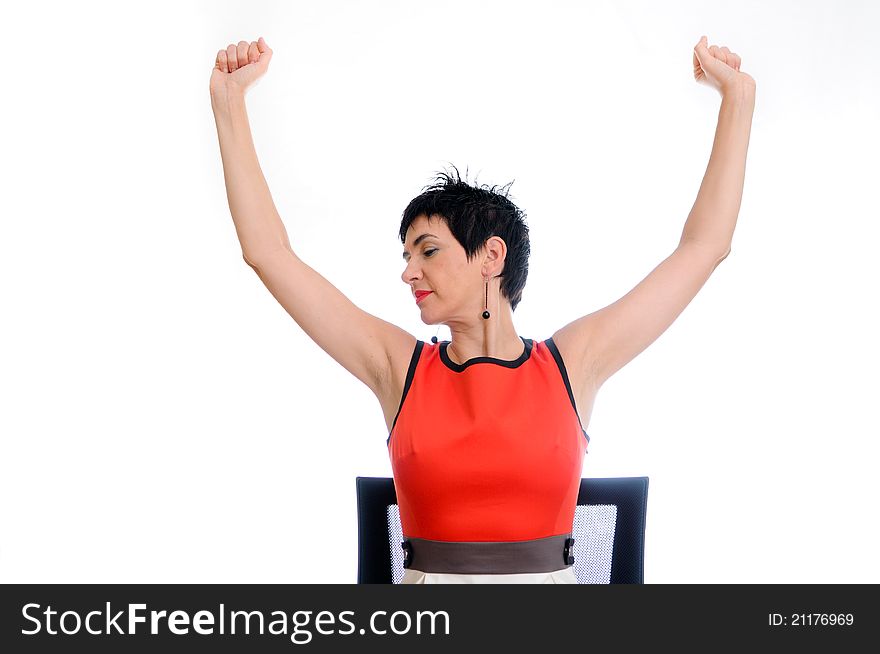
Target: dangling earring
(486,313)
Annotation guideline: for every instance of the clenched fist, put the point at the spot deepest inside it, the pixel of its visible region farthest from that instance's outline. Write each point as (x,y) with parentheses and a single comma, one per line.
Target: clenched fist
(239,66)
(718,67)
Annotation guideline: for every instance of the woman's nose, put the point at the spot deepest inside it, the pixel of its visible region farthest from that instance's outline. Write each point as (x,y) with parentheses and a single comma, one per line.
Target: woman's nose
(410,274)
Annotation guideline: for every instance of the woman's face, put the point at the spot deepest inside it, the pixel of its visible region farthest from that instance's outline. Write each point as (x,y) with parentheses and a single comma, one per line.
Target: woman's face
(436,262)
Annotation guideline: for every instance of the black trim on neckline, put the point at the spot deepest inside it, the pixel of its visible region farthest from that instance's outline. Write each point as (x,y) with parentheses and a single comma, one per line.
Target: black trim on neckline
(459,367)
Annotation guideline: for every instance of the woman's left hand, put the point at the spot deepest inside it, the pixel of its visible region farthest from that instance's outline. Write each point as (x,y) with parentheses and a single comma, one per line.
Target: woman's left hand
(718,67)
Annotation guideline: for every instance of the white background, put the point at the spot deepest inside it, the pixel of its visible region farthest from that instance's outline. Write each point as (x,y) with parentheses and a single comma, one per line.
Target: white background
(165,420)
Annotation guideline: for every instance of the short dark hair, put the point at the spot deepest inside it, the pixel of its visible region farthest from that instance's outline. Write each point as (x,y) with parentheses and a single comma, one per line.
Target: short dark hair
(474,214)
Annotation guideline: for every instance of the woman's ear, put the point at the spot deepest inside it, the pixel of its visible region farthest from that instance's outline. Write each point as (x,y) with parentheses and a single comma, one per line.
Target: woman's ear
(496,252)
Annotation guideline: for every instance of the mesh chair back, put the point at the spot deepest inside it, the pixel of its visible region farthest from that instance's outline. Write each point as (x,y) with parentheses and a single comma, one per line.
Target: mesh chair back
(609,531)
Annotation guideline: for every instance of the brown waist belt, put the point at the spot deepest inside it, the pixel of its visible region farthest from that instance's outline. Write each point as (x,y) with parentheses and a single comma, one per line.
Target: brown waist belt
(489,557)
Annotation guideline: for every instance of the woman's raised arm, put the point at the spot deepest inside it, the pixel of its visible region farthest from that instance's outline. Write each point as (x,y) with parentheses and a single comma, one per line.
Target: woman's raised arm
(256,219)
(360,342)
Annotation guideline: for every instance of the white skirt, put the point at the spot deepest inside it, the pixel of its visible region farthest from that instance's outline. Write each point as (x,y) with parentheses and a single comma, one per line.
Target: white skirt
(564,576)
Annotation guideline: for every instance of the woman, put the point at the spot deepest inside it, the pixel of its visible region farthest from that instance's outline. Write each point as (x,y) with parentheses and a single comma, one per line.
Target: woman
(482,498)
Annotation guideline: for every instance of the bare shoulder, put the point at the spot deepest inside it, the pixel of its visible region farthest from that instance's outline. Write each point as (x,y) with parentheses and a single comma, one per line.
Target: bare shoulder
(575,344)
(399,346)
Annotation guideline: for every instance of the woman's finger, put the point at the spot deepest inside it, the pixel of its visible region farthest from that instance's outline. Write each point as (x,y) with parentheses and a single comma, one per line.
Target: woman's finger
(232,58)
(261,45)
(221,60)
(242,53)
(253,53)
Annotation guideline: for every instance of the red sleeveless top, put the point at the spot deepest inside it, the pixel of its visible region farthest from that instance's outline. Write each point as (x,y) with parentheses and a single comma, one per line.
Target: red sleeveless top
(487,450)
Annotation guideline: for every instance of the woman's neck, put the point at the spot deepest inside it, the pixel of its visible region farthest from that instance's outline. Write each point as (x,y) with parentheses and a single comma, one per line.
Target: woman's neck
(494,337)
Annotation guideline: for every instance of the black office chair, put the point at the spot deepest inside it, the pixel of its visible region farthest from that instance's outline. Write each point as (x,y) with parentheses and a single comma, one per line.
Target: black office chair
(609,531)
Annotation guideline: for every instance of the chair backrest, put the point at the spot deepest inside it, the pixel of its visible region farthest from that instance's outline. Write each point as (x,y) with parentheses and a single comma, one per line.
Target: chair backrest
(609,531)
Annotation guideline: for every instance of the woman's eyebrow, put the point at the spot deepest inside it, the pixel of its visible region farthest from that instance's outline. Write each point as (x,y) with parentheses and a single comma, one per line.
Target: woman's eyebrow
(418,240)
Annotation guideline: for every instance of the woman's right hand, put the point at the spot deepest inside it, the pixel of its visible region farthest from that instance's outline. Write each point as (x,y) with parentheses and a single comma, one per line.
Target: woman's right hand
(239,66)
(719,67)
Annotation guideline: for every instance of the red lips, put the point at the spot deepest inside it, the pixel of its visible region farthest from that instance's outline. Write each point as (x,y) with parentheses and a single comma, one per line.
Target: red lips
(421,294)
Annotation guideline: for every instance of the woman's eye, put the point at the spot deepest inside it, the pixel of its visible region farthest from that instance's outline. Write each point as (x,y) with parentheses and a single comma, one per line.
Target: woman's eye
(428,253)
